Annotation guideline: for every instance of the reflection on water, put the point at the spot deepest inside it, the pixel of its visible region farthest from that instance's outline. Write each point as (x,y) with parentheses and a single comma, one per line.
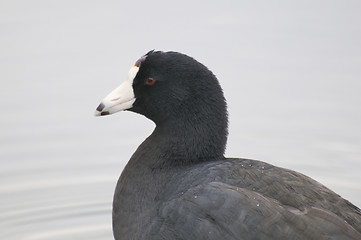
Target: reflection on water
(291,80)
(42,200)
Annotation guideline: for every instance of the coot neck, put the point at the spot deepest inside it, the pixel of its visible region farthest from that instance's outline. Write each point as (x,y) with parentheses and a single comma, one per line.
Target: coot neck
(189,139)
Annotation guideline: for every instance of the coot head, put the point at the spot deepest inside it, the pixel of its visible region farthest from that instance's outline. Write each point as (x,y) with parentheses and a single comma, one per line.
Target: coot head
(167,87)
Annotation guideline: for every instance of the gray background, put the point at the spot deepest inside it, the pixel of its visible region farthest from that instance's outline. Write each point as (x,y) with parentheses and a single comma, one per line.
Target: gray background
(290,72)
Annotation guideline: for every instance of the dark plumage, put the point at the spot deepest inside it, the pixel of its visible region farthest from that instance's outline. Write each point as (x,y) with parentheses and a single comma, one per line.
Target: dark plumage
(178,185)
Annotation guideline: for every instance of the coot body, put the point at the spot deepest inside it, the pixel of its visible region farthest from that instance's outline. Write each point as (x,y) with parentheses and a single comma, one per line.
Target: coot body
(179,185)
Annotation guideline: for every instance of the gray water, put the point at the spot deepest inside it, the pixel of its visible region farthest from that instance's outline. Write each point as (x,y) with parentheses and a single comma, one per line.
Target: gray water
(290,72)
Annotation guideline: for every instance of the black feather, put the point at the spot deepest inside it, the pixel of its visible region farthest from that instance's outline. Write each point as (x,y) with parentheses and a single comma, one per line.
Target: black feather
(178,185)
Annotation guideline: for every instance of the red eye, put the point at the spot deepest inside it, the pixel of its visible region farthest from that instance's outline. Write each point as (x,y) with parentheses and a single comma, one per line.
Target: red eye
(149,81)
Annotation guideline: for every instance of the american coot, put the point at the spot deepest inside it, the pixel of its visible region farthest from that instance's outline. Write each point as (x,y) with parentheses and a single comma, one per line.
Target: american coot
(179,185)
